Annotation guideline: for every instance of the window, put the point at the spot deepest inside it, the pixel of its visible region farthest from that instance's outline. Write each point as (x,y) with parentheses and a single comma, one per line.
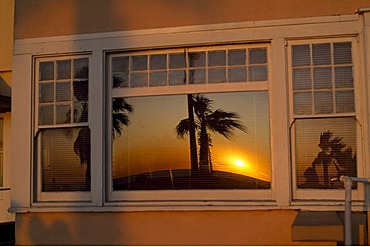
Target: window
(323,112)
(62,131)
(1,153)
(189,119)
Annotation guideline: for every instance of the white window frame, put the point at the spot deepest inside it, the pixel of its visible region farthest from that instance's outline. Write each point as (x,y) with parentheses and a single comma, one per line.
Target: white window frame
(60,196)
(328,194)
(186,195)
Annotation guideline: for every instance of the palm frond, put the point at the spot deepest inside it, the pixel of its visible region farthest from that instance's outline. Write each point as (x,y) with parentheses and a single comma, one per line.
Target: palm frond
(224,123)
(182,128)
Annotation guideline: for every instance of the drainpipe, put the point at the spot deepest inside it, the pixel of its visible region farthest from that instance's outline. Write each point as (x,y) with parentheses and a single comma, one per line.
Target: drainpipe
(348,210)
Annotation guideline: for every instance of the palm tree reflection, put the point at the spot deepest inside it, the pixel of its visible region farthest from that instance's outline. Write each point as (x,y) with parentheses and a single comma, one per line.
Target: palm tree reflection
(333,153)
(206,119)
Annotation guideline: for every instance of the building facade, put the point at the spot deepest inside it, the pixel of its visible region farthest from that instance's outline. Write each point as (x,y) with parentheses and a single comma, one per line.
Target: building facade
(189,122)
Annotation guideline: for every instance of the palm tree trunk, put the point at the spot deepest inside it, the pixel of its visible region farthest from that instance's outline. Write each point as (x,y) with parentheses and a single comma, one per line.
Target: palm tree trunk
(204,150)
(326,174)
(192,138)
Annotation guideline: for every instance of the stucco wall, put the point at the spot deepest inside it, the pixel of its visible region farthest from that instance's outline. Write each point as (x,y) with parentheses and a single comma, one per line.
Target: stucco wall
(6,35)
(156,228)
(42,18)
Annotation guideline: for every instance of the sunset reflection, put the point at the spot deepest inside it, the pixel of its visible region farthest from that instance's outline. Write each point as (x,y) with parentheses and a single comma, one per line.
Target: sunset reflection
(148,146)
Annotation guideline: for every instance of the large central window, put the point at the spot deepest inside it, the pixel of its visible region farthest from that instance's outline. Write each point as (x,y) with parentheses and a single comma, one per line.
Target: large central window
(190,119)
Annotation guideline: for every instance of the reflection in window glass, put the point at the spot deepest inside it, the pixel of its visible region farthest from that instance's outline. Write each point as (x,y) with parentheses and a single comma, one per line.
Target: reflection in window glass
(197,59)
(65,159)
(216,58)
(216,75)
(46,71)
(237,57)
(325,150)
(64,69)
(321,54)
(258,56)
(139,62)
(178,77)
(177,60)
(149,153)
(237,74)
(258,73)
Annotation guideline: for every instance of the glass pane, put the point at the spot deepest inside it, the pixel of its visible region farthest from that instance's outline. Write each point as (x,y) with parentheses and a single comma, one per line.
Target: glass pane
(63,91)
(120,64)
(149,155)
(81,112)
(322,78)
(120,81)
(177,60)
(197,76)
(302,103)
(301,55)
(216,58)
(139,63)
(63,114)
(324,102)
(258,73)
(197,59)
(237,74)
(343,77)
(177,77)
(46,115)
(81,68)
(342,53)
(46,94)
(64,69)
(81,90)
(325,150)
(158,78)
(46,71)
(345,101)
(258,56)
(302,79)
(216,75)
(158,61)
(237,57)
(65,159)
(139,80)
(321,54)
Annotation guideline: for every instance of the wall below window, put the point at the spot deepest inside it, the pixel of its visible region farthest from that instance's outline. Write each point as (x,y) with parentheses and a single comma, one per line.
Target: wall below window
(158,228)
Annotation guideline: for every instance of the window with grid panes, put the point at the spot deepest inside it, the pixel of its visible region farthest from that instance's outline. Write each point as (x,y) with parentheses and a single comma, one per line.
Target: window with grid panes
(323,95)
(173,129)
(62,132)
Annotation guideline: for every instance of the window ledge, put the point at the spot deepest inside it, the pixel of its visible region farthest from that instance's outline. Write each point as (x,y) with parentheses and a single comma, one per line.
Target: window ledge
(317,226)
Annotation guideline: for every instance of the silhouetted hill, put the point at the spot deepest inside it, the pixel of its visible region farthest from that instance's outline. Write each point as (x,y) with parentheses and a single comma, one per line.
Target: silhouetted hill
(183,179)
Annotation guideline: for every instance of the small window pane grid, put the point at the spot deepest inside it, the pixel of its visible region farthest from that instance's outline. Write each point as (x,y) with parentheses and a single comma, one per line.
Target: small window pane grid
(63,135)
(322,79)
(63,92)
(324,112)
(1,153)
(190,66)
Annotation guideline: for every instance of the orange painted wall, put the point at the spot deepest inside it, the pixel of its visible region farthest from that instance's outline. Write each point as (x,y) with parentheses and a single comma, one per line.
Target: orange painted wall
(156,228)
(42,18)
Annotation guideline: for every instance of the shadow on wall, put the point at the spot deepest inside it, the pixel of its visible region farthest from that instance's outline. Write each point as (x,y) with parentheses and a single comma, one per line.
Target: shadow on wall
(69,229)
(49,232)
